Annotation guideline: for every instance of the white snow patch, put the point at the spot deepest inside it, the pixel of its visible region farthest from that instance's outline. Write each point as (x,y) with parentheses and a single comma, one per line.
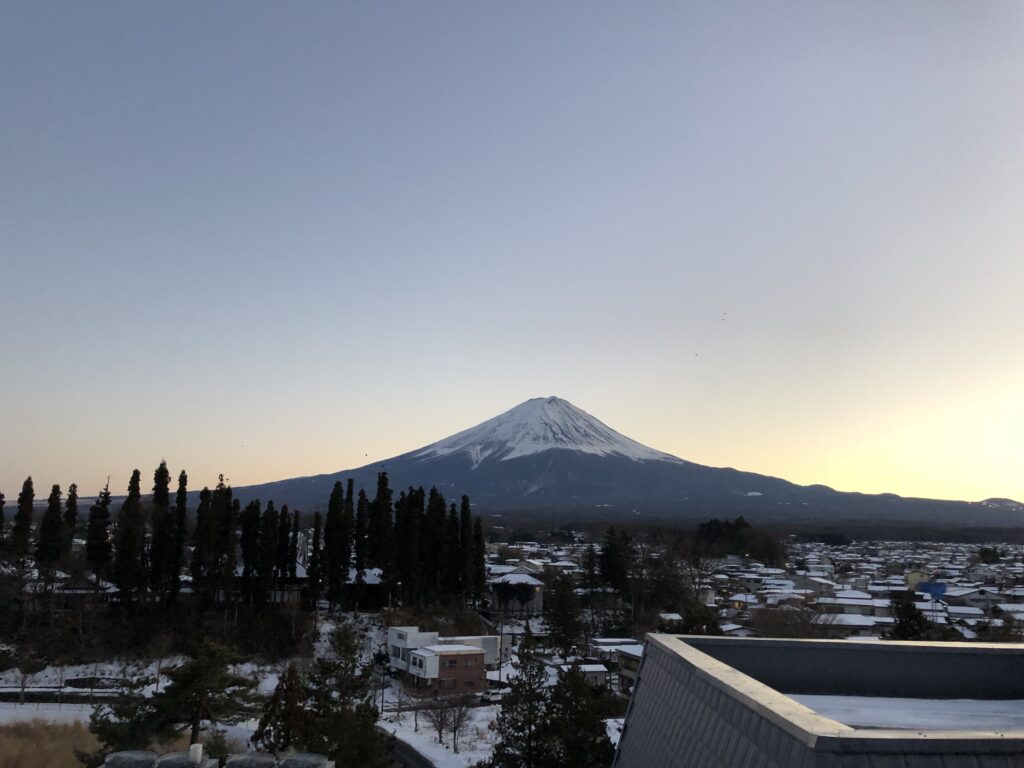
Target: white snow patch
(539,425)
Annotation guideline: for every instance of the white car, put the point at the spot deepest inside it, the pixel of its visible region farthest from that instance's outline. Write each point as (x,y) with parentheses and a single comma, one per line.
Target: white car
(494,695)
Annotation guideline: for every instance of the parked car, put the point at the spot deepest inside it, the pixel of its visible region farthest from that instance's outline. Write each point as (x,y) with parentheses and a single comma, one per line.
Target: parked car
(494,695)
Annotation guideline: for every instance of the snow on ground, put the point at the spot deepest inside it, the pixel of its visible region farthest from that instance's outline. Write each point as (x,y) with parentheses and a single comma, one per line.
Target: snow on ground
(929,714)
(614,727)
(476,740)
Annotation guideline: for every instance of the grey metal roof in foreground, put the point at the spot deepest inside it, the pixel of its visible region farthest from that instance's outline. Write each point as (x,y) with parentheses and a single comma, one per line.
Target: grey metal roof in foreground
(715,703)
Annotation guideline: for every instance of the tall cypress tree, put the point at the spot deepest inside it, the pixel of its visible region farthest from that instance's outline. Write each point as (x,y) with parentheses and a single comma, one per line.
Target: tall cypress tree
(479,561)
(284,527)
(250,541)
(432,538)
(98,550)
(70,517)
(314,573)
(266,559)
(362,519)
(466,549)
(50,542)
(378,553)
(452,557)
(332,561)
(202,544)
(129,541)
(161,548)
(180,524)
(293,547)
(23,519)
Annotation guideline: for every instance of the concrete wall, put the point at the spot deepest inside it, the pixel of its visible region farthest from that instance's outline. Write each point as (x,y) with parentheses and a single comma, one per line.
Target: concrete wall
(691,710)
(905,670)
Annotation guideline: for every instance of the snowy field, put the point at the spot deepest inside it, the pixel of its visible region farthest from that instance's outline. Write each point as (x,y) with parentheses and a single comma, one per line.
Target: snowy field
(929,714)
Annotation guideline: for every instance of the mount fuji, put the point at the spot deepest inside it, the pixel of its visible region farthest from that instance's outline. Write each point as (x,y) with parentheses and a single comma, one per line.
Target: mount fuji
(547,455)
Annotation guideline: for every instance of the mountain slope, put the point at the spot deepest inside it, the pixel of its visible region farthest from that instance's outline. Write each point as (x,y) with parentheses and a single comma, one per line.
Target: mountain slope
(548,455)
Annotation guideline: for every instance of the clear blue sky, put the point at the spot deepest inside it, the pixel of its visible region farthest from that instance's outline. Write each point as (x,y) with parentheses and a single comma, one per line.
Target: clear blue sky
(276,239)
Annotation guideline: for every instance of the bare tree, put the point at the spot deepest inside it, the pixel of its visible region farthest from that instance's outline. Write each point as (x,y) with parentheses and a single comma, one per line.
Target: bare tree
(438,714)
(460,709)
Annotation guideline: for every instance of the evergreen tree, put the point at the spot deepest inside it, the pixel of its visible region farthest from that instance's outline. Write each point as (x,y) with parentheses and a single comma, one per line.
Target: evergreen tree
(614,560)
(203,689)
(432,546)
(479,561)
(347,531)
(524,710)
(335,571)
(562,609)
(50,543)
(379,531)
(467,550)
(267,557)
(452,557)
(98,550)
(408,514)
(575,730)
(70,517)
(250,545)
(327,713)
(129,541)
(314,574)
(162,544)
(23,519)
(1,516)
(293,547)
(202,544)
(285,722)
(284,527)
(180,525)
(360,543)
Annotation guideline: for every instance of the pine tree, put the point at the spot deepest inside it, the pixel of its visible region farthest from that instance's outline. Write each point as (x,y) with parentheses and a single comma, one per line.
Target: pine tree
(202,544)
(98,550)
(284,527)
(266,559)
(250,545)
(180,525)
(161,548)
(574,730)
(314,574)
(466,549)
(360,543)
(378,552)
(335,571)
(562,609)
(285,721)
(23,519)
(452,557)
(347,531)
(203,689)
(432,542)
(1,516)
(408,515)
(70,518)
(520,723)
(50,543)
(479,561)
(293,547)
(129,541)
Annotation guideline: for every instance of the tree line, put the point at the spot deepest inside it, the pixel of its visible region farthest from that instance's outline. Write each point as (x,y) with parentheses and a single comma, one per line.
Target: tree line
(425,550)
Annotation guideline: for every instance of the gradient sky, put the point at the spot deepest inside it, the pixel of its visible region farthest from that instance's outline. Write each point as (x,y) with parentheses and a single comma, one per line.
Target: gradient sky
(271,239)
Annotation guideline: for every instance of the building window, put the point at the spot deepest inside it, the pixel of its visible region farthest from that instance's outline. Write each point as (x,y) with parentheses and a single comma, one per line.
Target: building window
(446,683)
(470,662)
(471,683)
(451,663)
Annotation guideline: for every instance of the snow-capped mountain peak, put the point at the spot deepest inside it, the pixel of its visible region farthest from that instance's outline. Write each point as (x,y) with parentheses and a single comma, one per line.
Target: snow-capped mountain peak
(541,424)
